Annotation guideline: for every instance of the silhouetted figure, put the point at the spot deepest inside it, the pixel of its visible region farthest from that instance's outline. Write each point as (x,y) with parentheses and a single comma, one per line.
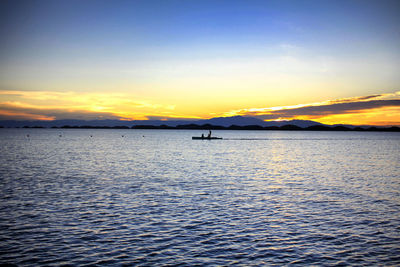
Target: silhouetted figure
(202,135)
(209,134)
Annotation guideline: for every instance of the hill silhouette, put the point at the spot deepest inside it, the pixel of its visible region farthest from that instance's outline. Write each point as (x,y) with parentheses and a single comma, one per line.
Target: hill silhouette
(219,123)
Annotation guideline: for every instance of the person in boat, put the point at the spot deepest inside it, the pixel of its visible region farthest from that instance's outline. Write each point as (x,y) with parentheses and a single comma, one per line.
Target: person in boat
(202,135)
(209,134)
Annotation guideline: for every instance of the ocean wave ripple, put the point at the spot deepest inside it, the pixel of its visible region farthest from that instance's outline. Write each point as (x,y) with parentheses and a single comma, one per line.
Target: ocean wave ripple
(167,204)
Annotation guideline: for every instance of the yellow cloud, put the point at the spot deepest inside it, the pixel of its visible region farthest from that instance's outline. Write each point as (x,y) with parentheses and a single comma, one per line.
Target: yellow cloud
(380,116)
(118,105)
(380,109)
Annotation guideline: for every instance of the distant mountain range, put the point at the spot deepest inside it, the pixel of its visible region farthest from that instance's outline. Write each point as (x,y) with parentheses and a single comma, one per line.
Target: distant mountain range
(220,121)
(245,121)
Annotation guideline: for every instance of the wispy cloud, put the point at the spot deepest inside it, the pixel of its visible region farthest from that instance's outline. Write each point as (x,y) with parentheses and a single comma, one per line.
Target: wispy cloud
(354,105)
(20,111)
(42,105)
(71,105)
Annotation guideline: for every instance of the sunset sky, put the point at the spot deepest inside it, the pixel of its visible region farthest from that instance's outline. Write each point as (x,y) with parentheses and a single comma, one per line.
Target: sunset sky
(328,61)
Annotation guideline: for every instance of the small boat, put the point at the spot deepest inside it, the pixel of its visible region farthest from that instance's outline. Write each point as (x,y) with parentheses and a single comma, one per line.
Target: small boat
(208,137)
(205,138)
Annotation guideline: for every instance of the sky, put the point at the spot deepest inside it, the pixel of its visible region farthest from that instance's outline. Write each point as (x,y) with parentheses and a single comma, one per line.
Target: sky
(328,61)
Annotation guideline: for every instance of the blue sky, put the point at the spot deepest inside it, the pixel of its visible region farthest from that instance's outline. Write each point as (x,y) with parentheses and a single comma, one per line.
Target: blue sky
(254,53)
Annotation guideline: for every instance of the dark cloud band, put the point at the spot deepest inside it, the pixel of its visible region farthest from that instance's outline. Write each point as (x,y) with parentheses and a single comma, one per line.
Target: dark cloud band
(325,110)
(57,114)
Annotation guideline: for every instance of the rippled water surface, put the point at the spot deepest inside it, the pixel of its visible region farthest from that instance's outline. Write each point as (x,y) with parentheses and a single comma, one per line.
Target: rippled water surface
(153,197)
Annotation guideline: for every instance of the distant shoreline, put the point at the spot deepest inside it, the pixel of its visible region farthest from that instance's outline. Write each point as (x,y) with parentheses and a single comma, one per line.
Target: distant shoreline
(232,127)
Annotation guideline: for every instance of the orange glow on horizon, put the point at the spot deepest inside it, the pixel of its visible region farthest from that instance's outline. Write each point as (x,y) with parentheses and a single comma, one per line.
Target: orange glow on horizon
(388,116)
(26,116)
(41,105)
(380,117)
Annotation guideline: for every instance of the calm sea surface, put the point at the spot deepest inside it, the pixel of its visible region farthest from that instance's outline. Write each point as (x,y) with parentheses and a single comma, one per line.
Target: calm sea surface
(154,197)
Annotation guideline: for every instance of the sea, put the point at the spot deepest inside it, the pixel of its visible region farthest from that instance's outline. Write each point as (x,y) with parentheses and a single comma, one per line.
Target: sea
(109,197)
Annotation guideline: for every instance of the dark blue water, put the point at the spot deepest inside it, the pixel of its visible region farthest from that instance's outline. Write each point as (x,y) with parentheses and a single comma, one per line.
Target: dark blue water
(114,197)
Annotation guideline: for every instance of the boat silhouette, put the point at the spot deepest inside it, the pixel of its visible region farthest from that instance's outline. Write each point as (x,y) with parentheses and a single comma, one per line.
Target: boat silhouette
(205,138)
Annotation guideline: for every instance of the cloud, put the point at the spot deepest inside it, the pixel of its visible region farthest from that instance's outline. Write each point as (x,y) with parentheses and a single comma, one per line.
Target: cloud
(38,105)
(332,109)
(43,105)
(389,96)
(352,105)
(18,111)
